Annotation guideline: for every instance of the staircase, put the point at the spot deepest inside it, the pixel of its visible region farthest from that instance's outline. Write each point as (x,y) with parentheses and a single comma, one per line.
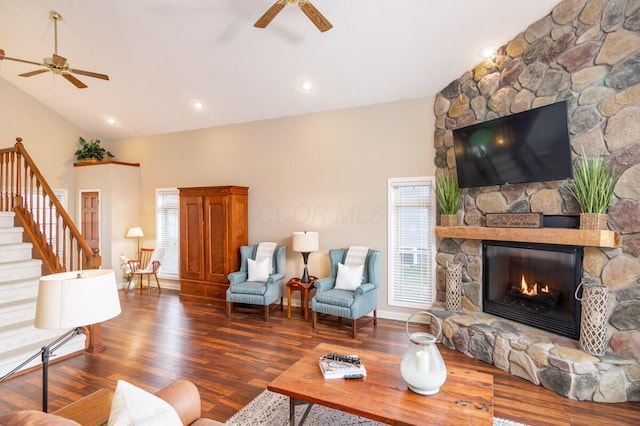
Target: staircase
(19,276)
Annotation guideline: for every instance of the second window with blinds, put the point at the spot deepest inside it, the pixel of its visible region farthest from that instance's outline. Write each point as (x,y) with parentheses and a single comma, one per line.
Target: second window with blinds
(412,266)
(167,230)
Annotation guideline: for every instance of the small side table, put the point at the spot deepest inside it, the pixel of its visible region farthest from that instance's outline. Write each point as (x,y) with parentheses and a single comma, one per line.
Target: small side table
(294,284)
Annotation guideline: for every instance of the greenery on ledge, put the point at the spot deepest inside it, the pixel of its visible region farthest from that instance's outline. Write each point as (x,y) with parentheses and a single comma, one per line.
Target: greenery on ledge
(593,184)
(448,193)
(91,149)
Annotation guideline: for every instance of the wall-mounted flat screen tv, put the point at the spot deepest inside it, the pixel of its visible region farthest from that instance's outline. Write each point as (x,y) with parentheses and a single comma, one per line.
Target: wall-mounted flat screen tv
(529,146)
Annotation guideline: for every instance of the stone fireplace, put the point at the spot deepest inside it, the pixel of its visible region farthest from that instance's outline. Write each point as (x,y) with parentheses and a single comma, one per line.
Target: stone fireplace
(586,52)
(533,284)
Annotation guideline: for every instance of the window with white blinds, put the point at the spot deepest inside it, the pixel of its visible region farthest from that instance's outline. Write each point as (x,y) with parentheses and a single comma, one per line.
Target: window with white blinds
(412,242)
(167,232)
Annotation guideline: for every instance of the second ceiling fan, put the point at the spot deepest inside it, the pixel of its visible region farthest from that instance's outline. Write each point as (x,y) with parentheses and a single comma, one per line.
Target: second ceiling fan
(312,13)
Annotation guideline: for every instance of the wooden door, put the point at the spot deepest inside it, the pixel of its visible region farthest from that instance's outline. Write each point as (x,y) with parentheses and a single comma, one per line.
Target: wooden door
(90,212)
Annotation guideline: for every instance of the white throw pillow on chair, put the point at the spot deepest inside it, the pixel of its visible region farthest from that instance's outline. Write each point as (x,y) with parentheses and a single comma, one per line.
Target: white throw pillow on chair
(349,277)
(258,270)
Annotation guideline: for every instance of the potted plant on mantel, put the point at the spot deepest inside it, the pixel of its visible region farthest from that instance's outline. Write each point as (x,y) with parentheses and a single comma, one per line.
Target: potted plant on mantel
(448,195)
(91,152)
(592,186)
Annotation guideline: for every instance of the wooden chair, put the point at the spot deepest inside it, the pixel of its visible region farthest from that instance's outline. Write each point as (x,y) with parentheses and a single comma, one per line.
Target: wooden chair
(147,265)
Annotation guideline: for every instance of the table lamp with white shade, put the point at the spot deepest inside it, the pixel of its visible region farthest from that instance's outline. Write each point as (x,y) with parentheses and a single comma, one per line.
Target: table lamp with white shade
(305,242)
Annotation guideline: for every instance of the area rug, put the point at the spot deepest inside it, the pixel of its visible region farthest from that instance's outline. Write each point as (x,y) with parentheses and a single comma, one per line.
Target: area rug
(272,409)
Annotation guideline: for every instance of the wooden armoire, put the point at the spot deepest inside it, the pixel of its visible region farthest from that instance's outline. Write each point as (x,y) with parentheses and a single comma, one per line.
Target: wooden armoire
(213,226)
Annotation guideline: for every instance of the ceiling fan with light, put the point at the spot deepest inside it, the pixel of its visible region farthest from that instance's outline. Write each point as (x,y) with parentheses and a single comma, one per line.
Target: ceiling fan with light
(56,63)
(312,13)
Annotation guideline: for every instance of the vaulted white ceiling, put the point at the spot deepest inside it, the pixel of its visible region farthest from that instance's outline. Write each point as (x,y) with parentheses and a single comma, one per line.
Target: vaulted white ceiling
(161,55)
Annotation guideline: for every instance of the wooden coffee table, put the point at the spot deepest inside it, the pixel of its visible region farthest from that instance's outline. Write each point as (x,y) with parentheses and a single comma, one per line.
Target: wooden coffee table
(466,398)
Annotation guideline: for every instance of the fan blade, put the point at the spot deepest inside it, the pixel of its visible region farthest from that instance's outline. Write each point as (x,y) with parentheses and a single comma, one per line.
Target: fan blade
(58,60)
(74,81)
(32,73)
(89,74)
(316,17)
(16,59)
(270,14)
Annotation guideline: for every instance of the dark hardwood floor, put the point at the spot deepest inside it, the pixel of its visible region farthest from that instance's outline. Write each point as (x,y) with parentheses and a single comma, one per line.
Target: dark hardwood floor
(157,339)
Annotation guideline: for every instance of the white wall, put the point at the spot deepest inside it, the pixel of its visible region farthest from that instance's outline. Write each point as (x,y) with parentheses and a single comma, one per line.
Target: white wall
(324,172)
(49,139)
(119,191)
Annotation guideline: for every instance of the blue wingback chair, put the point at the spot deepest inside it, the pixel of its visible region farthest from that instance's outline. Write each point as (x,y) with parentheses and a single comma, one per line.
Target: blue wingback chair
(257,293)
(347,303)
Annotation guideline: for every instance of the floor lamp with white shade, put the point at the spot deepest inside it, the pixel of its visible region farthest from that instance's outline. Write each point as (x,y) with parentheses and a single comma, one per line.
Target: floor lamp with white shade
(71,300)
(135,232)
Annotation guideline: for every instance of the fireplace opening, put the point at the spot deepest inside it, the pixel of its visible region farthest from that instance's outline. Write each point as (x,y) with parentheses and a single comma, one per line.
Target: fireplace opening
(533,284)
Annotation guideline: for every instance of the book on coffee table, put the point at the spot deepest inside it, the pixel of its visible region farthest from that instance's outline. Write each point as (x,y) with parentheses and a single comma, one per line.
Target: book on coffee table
(336,369)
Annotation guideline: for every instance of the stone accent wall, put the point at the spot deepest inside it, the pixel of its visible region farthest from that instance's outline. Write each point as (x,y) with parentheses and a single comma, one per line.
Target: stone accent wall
(588,53)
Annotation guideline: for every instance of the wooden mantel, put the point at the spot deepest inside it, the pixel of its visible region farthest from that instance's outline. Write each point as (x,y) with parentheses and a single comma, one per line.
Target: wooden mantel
(576,237)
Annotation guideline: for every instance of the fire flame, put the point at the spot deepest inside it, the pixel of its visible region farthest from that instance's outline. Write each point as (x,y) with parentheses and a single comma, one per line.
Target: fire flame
(524,288)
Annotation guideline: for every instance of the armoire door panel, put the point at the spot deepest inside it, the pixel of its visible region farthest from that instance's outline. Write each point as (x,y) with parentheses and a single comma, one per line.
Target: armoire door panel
(239,224)
(192,247)
(216,232)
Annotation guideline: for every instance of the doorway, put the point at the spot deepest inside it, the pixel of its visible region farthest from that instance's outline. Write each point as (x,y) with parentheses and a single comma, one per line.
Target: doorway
(90,214)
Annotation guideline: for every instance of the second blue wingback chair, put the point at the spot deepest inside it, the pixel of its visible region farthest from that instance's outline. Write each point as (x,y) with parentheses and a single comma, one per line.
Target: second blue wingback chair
(346,303)
(253,292)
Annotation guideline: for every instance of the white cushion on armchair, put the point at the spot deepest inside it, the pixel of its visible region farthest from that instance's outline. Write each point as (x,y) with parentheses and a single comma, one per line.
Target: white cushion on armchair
(134,406)
(258,270)
(349,277)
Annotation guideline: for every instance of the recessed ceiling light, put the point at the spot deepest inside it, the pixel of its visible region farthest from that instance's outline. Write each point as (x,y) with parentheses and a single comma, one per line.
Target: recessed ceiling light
(488,52)
(111,121)
(306,85)
(197,105)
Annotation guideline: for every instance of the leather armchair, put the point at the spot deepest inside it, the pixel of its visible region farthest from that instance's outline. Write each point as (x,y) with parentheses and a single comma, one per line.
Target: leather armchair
(257,293)
(182,395)
(346,303)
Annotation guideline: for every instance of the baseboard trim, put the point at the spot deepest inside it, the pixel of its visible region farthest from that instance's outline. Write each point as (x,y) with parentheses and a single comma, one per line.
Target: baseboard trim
(385,314)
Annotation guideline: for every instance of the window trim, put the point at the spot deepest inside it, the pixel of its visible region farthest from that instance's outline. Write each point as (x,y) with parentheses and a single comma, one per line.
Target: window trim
(159,234)
(410,181)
